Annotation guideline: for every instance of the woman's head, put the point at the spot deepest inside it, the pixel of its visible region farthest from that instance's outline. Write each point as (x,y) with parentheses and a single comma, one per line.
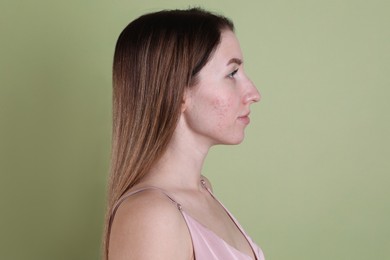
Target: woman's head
(157,57)
(216,111)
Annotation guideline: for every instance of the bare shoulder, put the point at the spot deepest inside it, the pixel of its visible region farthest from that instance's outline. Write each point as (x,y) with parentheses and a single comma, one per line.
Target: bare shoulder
(147,225)
(208,183)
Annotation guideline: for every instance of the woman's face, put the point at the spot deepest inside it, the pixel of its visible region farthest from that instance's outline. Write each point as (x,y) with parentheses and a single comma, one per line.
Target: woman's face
(217,107)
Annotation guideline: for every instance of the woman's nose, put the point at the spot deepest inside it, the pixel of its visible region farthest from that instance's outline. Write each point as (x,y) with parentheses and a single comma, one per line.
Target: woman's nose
(252,95)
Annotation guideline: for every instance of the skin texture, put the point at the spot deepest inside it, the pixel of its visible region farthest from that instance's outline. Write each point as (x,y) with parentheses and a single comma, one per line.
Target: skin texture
(215,111)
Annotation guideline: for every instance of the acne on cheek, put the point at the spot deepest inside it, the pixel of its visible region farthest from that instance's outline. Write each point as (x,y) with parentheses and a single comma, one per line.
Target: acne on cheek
(221,105)
(222,108)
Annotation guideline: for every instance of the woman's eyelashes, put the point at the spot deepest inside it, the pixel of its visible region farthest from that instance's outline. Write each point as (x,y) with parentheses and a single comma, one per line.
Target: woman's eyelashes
(232,74)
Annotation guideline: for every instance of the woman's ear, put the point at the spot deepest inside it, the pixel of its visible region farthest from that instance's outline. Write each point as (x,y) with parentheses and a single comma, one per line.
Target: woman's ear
(186,100)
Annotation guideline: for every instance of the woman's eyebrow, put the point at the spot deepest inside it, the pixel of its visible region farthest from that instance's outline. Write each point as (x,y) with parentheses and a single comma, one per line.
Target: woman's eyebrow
(235,60)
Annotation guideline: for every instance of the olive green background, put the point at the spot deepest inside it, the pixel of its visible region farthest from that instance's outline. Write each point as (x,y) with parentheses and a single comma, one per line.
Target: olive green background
(311,180)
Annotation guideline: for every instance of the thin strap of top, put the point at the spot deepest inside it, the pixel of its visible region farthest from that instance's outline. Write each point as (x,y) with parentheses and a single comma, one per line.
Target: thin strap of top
(203,182)
(234,220)
(126,195)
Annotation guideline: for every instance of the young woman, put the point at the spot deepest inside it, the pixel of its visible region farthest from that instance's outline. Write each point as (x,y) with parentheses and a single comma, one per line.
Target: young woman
(178,88)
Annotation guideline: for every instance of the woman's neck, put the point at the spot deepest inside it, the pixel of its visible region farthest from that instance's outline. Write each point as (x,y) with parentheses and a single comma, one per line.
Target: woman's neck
(180,166)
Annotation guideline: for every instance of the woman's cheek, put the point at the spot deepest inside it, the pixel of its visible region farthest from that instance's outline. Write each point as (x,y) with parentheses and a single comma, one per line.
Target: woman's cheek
(221,109)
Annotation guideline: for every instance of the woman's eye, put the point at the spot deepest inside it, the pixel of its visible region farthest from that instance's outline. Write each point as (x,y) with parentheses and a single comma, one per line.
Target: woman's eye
(232,74)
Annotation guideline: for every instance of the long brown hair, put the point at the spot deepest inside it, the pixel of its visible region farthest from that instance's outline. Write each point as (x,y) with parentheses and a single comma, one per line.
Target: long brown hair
(157,56)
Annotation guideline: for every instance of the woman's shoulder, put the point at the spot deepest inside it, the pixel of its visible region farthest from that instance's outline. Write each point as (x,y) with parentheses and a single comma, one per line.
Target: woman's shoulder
(147,225)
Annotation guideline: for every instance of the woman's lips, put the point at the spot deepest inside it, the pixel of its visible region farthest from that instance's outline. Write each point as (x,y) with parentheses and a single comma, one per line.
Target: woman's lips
(244,119)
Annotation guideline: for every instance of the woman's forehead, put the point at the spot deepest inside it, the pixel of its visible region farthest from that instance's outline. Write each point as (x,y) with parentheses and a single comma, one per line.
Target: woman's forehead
(228,51)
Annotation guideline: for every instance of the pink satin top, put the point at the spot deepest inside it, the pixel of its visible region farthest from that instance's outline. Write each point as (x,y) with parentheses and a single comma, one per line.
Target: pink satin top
(206,244)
